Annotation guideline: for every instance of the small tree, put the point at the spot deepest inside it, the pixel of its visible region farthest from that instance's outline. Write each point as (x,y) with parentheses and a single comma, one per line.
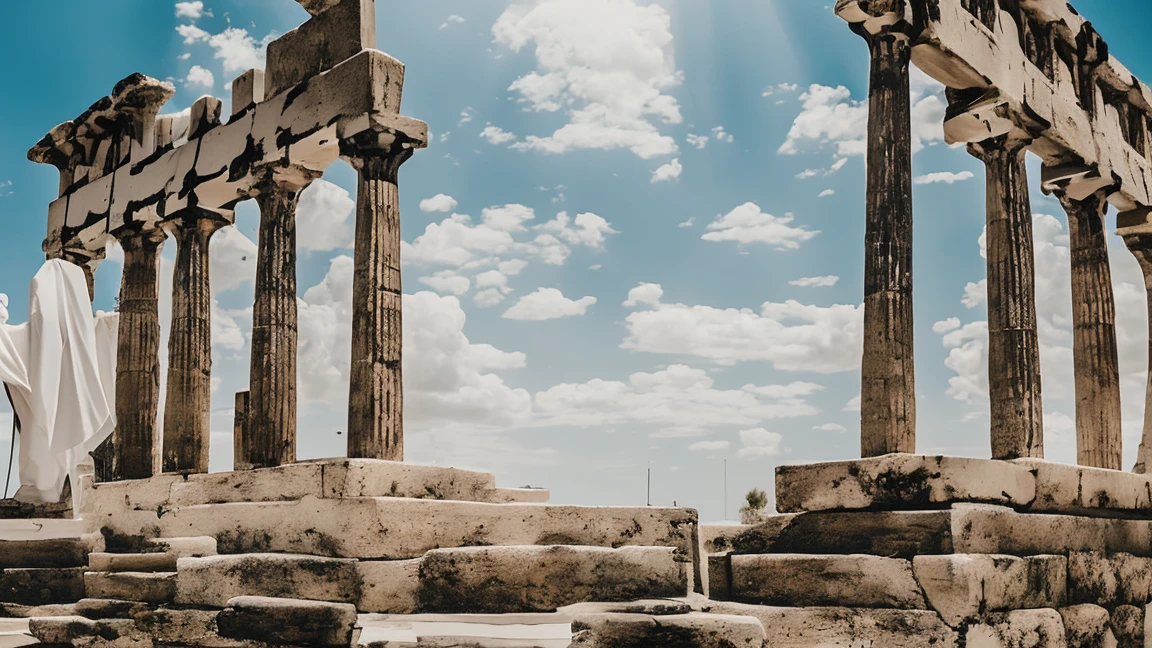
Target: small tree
(753,511)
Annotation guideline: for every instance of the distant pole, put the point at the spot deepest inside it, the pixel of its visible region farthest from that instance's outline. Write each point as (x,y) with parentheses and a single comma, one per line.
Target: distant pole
(725,490)
(649,487)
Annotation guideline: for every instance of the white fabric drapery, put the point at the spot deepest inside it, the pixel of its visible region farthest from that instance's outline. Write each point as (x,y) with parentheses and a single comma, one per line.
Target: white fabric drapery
(60,369)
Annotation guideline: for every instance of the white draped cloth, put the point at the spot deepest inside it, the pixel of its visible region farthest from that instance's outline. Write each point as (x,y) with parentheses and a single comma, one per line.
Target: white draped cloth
(60,370)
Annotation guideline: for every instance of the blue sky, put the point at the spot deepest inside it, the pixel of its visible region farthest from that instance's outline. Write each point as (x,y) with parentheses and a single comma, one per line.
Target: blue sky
(635,241)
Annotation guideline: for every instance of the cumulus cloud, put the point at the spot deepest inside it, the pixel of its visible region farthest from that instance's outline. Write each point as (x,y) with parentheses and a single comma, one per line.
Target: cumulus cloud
(816,282)
(548,304)
(668,172)
(233,258)
(190,10)
(324,218)
(813,173)
(698,141)
(759,443)
(792,336)
(779,88)
(496,135)
(747,224)
(447,281)
(723,136)
(452,20)
(945,177)
(606,65)
(238,51)
(199,78)
(192,34)
(438,203)
(826,193)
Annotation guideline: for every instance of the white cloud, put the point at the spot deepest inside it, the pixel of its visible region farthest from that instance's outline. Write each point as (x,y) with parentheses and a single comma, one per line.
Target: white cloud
(233,259)
(688,223)
(492,286)
(722,136)
(512,267)
(488,297)
(792,336)
(759,443)
(853,404)
(830,118)
(830,427)
(496,135)
(826,193)
(190,10)
(812,173)
(698,141)
(466,116)
(192,34)
(548,304)
(447,281)
(453,19)
(238,51)
(185,56)
(325,217)
(946,177)
(816,282)
(588,229)
(438,203)
(645,293)
(746,224)
(782,87)
(605,64)
(668,172)
(710,446)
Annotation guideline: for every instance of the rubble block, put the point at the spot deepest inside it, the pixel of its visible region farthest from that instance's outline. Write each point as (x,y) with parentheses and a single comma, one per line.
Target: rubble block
(717,538)
(897,534)
(42,586)
(1109,579)
(901,482)
(1018,629)
(799,580)
(396,529)
(213,580)
(1128,626)
(288,622)
(1087,626)
(156,588)
(389,586)
(962,587)
(497,580)
(694,630)
(69,629)
(185,627)
(54,552)
(838,627)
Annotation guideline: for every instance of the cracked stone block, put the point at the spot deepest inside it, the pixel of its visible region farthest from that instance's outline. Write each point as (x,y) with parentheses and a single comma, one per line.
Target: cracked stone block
(337,34)
(213,580)
(1109,579)
(156,588)
(1068,488)
(839,627)
(812,581)
(170,626)
(389,586)
(1087,626)
(1128,626)
(1019,629)
(42,586)
(64,552)
(693,630)
(901,481)
(962,587)
(897,534)
(498,580)
(291,622)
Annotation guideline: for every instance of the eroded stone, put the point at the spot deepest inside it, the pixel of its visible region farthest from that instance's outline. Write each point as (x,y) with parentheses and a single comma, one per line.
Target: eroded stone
(813,581)
(793,627)
(638,630)
(291,622)
(897,534)
(42,586)
(213,580)
(1109,580)
(1087,626)
(1018,629)
(389,586)
(964,586)
(156,588)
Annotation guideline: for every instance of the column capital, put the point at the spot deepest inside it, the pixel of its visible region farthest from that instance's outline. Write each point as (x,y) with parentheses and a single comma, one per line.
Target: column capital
(1012,143)
(1076,181)
(989,119)
(137,236)
(875,17)
(390,136)
(284,179)
(206,221)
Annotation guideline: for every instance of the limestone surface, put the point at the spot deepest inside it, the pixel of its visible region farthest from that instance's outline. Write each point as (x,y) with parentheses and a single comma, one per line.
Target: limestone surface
(963,587)
(800,627)
(1109,579)
(156,588)
(643,631)
(214,580)
(825,580)
(42,586)
(1087,626)
(1019,629)
(288,622)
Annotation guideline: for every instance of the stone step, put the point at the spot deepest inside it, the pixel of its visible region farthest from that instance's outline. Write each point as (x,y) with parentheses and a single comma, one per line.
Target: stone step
(42,586)
(799,627)
(288,622)
(136,627)
(194,547)
(396,528)
(917,482)
(156,588)
(798,580)
(476,580)
(159,555)
(693,630)
(51,552)
(324,478)
(963,529)
(962,588)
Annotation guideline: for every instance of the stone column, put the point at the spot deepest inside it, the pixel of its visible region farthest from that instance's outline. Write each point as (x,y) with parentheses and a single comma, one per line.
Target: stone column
(376,397)
(1141,247)
(137,359)
(272,424)
(1097,368)
(887,381)
(188,406)
(1013,347)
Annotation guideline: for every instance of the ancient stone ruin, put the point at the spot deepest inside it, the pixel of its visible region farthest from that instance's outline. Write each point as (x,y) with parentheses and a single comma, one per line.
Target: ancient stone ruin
(893,550)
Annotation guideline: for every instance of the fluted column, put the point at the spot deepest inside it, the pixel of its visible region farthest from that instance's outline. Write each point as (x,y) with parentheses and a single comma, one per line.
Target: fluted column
(376,397)
(271,430)
(137,360)
(1141,247)
(1097,367)
(1013,346)
(188,406)
(887,381)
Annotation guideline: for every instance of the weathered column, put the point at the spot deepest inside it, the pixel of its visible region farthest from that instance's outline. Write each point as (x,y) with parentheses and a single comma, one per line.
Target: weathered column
(272,415)
(137,358)
(1017,416)
(887,381)
(376,396)
(1141,247)
(188,406)
(1097,367)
